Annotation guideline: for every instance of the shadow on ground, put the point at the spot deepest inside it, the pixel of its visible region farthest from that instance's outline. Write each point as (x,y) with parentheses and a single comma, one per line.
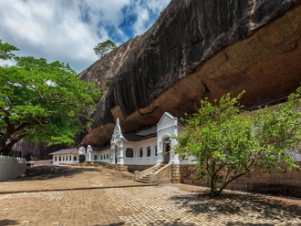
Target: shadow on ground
(115,224)
(247,224)
(157,223)
(7,222)
(175,223)
(248,205)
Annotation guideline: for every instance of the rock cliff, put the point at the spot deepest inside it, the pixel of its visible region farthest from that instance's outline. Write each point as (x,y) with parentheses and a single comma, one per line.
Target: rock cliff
(197,49)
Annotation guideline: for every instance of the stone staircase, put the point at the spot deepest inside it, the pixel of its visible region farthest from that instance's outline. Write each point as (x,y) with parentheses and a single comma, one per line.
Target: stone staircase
(150,175)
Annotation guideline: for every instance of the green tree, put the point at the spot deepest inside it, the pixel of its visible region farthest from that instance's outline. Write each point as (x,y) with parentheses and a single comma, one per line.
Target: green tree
(41,101)
(104,48)
(229,143)
(6,50)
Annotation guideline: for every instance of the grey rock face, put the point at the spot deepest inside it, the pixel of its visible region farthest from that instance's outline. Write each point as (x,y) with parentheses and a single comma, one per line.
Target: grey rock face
(187,35)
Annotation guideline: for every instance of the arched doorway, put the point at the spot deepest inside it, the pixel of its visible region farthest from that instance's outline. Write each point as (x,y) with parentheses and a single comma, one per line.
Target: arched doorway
(82,158)
(115,154)
(166,150)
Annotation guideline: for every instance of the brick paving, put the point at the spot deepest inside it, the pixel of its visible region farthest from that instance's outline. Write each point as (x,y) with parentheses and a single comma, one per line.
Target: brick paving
(163,205)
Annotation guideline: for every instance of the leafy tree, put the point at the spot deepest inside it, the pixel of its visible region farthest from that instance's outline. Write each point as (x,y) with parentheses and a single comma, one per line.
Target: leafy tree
(41,101)
(104,48)
(6,50)
(229,143)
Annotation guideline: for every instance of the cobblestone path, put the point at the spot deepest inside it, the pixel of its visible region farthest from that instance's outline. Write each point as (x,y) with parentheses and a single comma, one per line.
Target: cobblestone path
(163,205)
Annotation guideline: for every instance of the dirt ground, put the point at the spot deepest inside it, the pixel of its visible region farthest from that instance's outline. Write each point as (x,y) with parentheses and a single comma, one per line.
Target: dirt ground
(154,205)
(51,178)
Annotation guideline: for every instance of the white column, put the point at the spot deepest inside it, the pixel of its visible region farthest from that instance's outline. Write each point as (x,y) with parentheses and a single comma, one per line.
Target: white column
(159,150)
(121,155)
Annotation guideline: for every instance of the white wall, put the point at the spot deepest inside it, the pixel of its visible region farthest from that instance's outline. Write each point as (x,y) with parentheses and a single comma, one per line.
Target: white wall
(65,159)
(11,168)
(136,146)
(104,156)
(168,127)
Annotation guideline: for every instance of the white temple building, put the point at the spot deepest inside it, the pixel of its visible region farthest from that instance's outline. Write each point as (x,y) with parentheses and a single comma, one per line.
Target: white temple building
(140,150)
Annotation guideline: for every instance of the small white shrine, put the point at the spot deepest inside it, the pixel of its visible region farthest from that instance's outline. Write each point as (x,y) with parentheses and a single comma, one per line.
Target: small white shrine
(151,146)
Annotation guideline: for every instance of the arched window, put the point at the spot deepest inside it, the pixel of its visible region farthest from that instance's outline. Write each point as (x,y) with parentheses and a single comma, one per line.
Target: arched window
(149,151)
(60,159)
(74,158)
(129,153)
(156,150)
(141,152)
(95,157)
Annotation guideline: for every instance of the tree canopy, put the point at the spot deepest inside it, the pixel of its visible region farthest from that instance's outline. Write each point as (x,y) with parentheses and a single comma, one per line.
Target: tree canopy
(104,48)
(229,143)
(41,101)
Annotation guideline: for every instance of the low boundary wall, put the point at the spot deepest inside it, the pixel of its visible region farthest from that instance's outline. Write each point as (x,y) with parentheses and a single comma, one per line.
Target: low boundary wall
(275,182)
(11,167)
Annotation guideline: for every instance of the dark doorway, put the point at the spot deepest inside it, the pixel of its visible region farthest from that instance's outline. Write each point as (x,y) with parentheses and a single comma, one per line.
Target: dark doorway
(82,158)
(166,150)
(116,151)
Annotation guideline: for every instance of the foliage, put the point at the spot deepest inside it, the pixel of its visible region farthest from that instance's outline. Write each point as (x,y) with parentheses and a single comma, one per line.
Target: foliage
(105,47)
(6,50)
(229,143)
(41,101)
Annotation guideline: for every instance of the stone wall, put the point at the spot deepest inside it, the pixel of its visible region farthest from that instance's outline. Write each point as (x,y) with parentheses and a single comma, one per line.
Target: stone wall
(165,174)
(276,182)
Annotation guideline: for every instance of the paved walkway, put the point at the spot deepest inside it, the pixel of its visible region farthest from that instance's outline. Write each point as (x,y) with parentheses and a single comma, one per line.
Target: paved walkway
(161,205)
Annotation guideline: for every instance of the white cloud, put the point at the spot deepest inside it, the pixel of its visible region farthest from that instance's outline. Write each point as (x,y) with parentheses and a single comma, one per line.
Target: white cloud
(144,9)
(68,30)
(7,63)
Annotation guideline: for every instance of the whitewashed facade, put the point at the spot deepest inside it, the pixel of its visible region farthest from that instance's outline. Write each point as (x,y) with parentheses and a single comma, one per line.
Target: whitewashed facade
(148,147)
(149,151)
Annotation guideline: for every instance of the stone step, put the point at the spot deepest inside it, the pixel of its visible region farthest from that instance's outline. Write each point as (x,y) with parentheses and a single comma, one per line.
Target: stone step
(146,176)
(143,181)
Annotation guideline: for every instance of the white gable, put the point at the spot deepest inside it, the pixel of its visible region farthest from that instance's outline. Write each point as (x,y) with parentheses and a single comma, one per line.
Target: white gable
(117,134)
(167,121)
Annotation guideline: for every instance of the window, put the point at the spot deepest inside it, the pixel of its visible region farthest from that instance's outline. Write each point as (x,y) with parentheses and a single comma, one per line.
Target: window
(149,151)
(70,158)
(55,159)
(74,158)
(95,157)
(156,150)
(63,158)
(129,153)
(60,159)
(141,152)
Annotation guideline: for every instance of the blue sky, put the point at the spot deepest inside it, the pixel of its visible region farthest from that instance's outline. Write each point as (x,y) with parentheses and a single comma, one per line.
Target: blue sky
(67,30)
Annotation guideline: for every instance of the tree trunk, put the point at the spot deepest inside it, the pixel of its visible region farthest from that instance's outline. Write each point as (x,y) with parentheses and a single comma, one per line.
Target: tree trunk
(5,151)
(6,148)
